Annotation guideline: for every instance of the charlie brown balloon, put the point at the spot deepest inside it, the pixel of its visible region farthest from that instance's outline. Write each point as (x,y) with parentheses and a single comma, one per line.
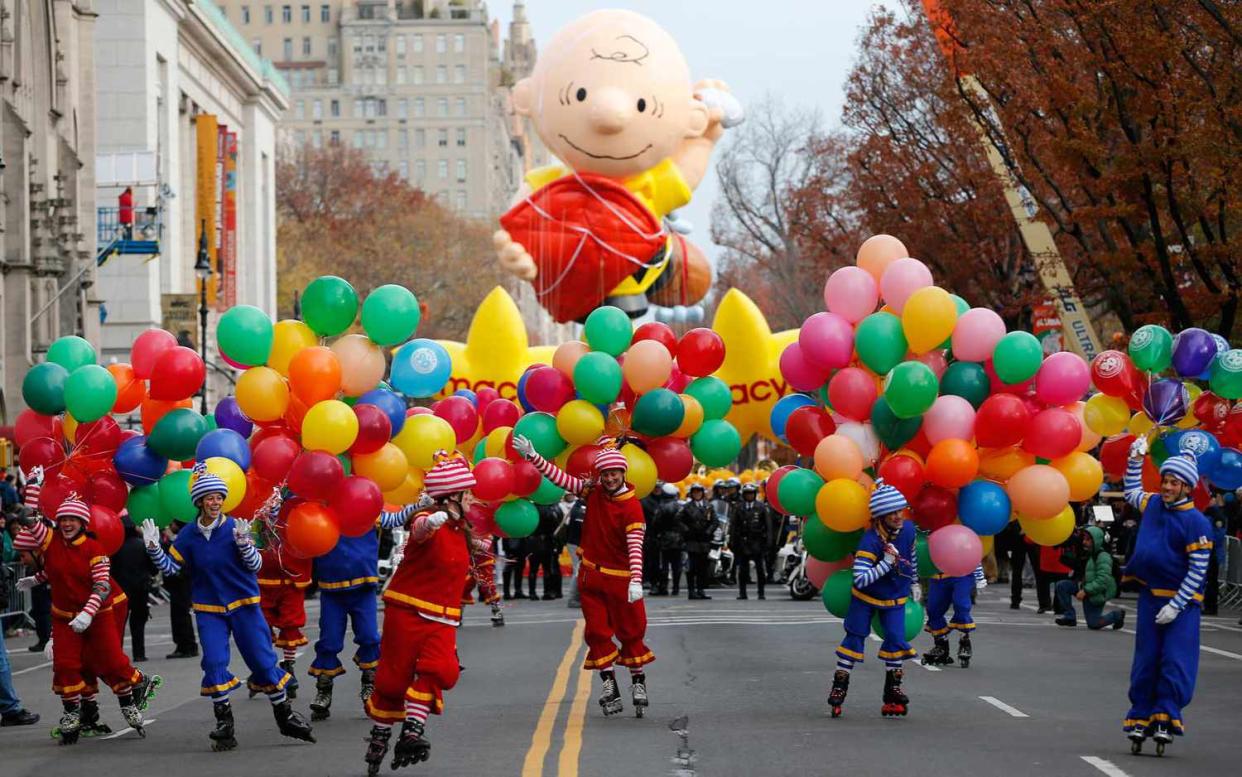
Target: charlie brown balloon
(611,97)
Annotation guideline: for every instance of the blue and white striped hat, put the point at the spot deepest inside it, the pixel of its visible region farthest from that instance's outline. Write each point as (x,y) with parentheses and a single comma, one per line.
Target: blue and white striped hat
(885,499)
(206,483)
(1184,467)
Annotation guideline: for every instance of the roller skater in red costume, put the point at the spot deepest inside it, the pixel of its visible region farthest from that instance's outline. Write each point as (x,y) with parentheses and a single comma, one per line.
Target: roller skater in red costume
(283,580)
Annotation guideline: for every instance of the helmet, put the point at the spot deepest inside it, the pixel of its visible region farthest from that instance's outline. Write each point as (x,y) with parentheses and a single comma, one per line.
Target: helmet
(732,483)
(750,488)
(718,483)
(696,487)
(668,489)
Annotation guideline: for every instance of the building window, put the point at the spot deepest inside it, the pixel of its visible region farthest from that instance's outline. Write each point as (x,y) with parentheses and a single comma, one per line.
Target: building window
(459,106)
(418,74)
(381,139)
(359,138)
(267,14)
(286,14)
(459,74)
(459,43)
(334,108)
(299,138)
(306,47)
(420,138)
(306,14)
(383,107)
(461,137)
(441,74)
(325,13)
(357,114)
(245,14)
(418,44)
(368,44)
(333,76)
(331,49)
(317,110)
(403,170)
(288,49)
(317,138)
(420,170)
(461,171)
(299,109)
(442,168)
(403,108)
(335,137)
(442,106)
(420,107)
(382,45)
(403,139)
(442,138)
(441,43)
(258,46)
(400,45)
(461,199)
(400,74)
(381,75)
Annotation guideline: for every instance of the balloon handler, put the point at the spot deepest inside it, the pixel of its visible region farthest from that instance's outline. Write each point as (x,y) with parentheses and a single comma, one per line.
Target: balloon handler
(884,568)
(611,97)
(610,575)
(283,580)
(1169,565)
(218,553)
(418,649)
(943,590)
(85,632)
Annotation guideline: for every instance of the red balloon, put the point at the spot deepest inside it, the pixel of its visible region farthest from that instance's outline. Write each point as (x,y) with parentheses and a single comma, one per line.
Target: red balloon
(700,352)
(852,392)
(526,478)
(374,429)
(482,519)
(806,427)
(147,348)
(1001,421)
(419,410)
(1114,453)
(661,333)
(55,491)
(1053,433)
(311,529)
(315,475)
(1211,410)
(264,431)
(672,458)
(1233,424)
(773,485)
(494,479)
(101,437)
(274,455)
(677,380)
(357,502)
(257,492)
(107,527)
(460,414)
(627,396)
(934,507)
(106,488)
(903,473)
(31,426)
(500,412)
(1114,374)
(548,389)
(179,374)
(42,452)
(484,397)
(1151,475)
(581,462)
(998,387)
(920,444)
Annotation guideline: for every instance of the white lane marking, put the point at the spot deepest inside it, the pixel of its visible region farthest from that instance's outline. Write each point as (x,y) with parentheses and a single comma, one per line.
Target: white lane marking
(126,730)
(1108,767)
(32,668)
(1204,648)
(1003,707)
(928,667)
(739,623)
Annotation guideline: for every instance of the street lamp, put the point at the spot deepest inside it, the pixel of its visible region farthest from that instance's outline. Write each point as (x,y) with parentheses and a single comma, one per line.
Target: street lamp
(202,268)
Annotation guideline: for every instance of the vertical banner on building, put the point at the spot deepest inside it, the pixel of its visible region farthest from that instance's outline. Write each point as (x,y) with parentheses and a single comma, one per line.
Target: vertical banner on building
(1046,325)
(228,223)
(205,188)
(217,267)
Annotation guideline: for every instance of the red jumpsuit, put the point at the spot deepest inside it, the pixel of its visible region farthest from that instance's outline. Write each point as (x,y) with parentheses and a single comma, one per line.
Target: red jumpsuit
(282,587)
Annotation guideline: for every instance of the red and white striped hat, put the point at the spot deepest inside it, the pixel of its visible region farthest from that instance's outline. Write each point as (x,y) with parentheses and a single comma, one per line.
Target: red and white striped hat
(450,475)
(73,507)
(611,458)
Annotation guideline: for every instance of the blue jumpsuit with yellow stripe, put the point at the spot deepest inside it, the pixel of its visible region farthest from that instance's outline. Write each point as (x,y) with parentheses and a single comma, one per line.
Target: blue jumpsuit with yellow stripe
(880,589)
(944,590)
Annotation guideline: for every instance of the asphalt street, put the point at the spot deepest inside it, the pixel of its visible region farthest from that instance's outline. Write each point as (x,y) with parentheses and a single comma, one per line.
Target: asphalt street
(747,679)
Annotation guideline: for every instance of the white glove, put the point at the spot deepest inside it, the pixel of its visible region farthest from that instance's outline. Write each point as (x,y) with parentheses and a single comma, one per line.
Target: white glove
(981,584)
(35,475)
(150,534)
(26,583)
(890,555)
(1138,448)
(1167,614)
(731,112)
(523,446)
(916,592)
(437,519)
(635,592)
(48,652)
(81,622)
(241,533)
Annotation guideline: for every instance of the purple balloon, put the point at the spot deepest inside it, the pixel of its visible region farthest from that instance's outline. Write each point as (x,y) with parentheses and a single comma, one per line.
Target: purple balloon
(230,416)
(1166,401)
(1193,351)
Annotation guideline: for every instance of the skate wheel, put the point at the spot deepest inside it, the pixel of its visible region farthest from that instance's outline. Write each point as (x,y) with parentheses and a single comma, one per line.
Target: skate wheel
(1160,749)
(1136,747)
(638,712)
(142,733)
(836,712)
(965,662)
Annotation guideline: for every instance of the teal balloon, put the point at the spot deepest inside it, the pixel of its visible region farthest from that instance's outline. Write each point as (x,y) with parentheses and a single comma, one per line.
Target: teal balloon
(597,377)
(608,329)
(967,380)
(913,616)
(540,429)
(1226,374)
(174,490)
(176,435)
(517,518)
(713,394)
(329,305)
(910,389)
(658,412)
(922,553)
(90,393)
(827,545)
(71,352)
(894,432)
(244,334)
(1151,348)
(797,491)
(144,502)
(1017,357)
(838,590)
(390,314)
(43,388)
(548,493)
(717,443)
(880,342)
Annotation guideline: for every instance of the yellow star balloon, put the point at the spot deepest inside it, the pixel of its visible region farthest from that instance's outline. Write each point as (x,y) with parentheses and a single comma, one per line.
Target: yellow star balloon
(497,349)
(752,363)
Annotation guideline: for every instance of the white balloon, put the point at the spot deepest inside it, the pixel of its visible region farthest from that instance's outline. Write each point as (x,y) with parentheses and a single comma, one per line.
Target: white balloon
(864,437)
(694,314)
(663,315)
(679,314)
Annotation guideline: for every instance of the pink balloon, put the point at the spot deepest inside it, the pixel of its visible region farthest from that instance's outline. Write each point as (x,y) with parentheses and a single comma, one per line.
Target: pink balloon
(1062,378)
(802,374)
(852,392)
(902,278)
(976,334)
(949,418)
(851,293)
(827,339)
(678,380)
(819,571)
(955,550)
(936,360)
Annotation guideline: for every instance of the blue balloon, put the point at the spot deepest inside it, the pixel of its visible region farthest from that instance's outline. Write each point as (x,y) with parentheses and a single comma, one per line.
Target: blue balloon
(230,416)
(137,464)
(468,394)
(1222,345)
(1227,474)
(527,407)
(984,507)
(421,368)
(1201,444)
(392,405)
(784,408)
(225,443)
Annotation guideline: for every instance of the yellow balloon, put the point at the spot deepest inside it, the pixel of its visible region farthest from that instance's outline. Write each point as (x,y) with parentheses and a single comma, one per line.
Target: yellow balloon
(642,471)
(386,466)
(693,418)
(289,337)
(579,422)
(1189,421)
(1106,415)
(1140,424)
(494,442)
(1000,464)
(841,505)
(928,318)
(329,426)
(262,394)
(408,491)
(233,477)
(988,543)
(1083,473)
(69,425)
(751,366)
(497,349)
(422,436)
(1050,531)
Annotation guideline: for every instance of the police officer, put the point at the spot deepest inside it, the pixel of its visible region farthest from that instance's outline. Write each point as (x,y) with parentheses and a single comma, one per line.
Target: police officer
(700,521)
(748,537)
(669,534)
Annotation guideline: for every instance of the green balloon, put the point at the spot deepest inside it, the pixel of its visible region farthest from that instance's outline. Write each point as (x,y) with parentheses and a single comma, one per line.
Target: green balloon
(717,443)
(713,394)
(548,493)
(1017,357)
(176,435)
(962,306)
(838,590)
(71,352)
(175,496)
(913,615)
(658,412)
(540,429)
(517,518)
(347,463)
(1159,450)
(597,377)
(923,553)
(43,388)
(910,389)
(90,393)
(967,380)
(608,329)
(797,491)
(244,334)
(144,502)
(827,545)
(894,432)
(480,451)
(1225,377)
(329,305)
(1151,348)
(390,314)
(880,342)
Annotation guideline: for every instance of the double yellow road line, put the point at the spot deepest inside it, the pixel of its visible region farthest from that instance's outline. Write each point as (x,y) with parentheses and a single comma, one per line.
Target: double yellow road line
(571,745)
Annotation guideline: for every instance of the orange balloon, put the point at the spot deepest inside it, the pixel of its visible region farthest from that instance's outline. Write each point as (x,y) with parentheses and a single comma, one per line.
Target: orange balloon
(1038,492)
(130,390)
(386,466)
(911,454)
(617,423)
(311,530)
(155,409)
(362,364)
(257,492)
(879,251)
(693,418)
(648,366)
(567,355)
(952,463)
(409,489)
(295,413)
(1000,464)
(1083,473)
(1090,438)
(314,375)
(838,457)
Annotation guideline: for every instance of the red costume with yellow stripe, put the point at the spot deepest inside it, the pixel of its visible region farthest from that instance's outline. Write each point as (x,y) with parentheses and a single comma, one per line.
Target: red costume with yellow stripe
(283,580)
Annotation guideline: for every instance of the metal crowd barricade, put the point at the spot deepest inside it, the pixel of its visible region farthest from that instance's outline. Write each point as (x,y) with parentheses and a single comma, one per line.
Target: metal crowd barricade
(1230,574)
(16,610)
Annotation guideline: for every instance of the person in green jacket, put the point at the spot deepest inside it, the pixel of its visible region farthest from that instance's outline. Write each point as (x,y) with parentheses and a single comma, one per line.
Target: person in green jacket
(1092,584)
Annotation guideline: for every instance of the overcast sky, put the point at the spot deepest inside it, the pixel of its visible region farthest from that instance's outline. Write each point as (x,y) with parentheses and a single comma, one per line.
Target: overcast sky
(799,50)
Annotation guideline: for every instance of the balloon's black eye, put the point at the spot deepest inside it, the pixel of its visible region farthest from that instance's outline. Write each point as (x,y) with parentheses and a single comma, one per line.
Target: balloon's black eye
(581,95)
(642,105)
